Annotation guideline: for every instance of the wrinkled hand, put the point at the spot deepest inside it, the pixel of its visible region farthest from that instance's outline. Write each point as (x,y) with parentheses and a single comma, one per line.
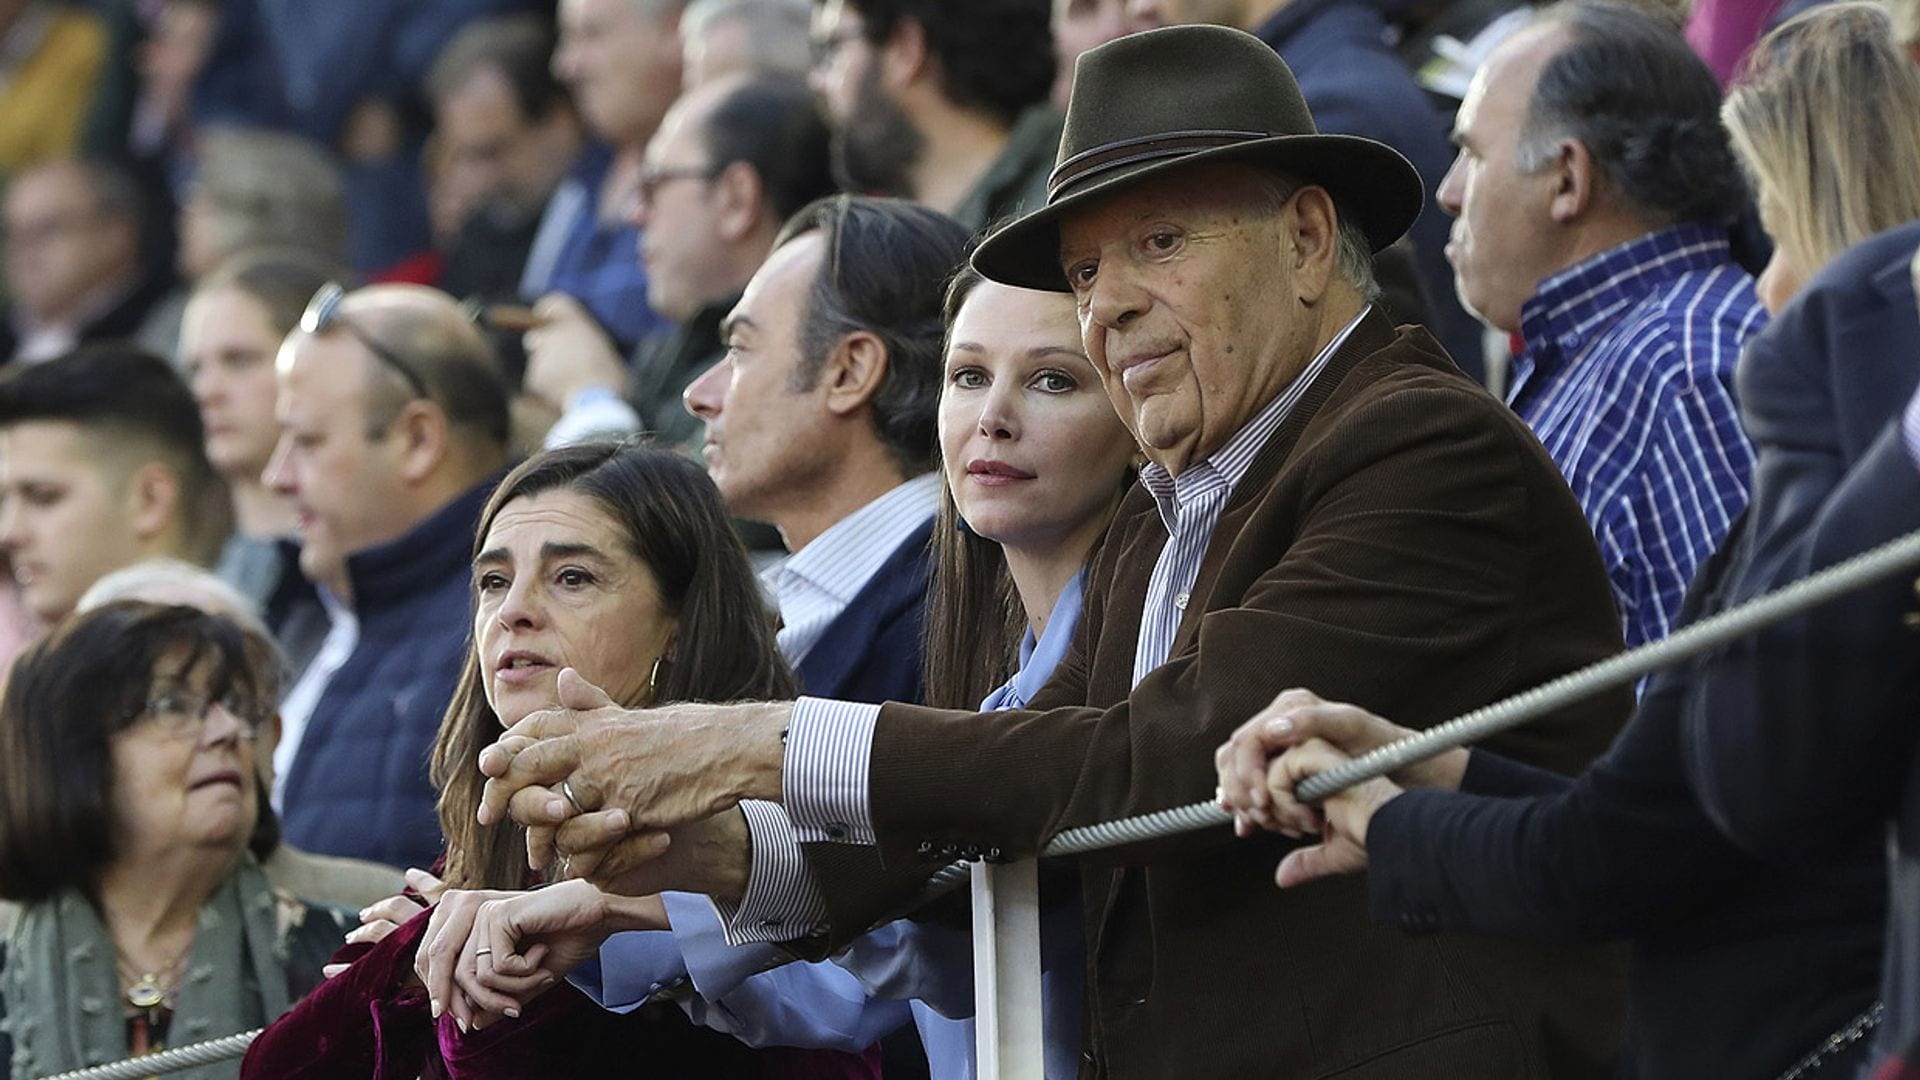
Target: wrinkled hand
(568,353)
(630,770)
(712,856)
(547,933)
(1342,823)
(383,917)
(447,949)
(1295,716)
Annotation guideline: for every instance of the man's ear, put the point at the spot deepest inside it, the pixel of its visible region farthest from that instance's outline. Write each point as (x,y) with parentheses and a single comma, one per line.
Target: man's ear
(741,195)
(424,439)
(903,57)
(1576,178)
(153,496)
(1316,241)
(853,373)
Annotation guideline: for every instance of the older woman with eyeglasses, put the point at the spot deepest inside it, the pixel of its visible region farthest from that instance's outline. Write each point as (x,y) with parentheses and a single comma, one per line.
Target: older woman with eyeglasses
(129,830)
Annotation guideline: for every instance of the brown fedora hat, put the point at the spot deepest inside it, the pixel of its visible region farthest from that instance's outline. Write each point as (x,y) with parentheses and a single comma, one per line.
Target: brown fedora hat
(1165,99)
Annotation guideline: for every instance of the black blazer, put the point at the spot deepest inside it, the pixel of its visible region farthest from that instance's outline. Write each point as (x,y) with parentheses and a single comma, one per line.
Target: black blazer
(871,652)
(1807,735)
(1741,966)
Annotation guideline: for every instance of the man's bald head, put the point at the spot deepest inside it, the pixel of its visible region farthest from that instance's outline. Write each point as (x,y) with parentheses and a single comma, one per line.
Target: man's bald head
(426,330)
(363,455)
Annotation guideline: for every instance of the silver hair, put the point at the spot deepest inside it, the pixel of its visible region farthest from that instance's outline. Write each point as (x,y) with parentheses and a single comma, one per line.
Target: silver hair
(174,581)
(1353,252)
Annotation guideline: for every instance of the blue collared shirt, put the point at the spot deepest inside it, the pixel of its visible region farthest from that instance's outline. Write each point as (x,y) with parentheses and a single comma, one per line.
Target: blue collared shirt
(1038,657)
(1627,378)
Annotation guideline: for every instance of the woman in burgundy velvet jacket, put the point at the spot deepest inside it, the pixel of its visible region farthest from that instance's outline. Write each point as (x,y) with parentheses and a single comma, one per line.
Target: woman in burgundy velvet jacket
(616,561)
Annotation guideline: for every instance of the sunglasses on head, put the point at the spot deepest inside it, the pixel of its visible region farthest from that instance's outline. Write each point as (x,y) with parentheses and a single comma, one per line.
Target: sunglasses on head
(323,314)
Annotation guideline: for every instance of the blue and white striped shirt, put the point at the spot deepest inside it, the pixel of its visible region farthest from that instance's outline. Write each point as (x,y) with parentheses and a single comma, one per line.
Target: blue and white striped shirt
(830,743)
(1627,378)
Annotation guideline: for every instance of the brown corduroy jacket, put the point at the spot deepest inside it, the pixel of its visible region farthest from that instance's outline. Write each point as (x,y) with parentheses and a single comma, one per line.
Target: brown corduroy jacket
(1401,542)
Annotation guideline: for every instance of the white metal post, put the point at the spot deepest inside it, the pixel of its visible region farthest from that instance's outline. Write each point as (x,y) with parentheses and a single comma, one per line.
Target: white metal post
(1006,970)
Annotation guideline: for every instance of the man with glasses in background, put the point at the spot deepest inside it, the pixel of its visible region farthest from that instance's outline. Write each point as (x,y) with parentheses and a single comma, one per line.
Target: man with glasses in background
(731,160)
(393,418)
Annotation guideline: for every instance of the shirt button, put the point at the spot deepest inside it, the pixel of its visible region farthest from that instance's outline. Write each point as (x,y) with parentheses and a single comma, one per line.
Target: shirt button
(836,831)
(1180,601)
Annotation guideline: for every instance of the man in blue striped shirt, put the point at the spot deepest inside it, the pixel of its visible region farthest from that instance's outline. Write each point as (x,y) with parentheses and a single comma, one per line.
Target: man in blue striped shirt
(1590,197)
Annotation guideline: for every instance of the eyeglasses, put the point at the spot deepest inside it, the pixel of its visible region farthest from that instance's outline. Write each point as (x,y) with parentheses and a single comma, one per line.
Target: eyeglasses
(180,714)
(653,177)
(323,314)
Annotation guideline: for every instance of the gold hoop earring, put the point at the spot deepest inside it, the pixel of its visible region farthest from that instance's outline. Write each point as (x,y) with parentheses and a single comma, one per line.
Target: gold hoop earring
(653,679)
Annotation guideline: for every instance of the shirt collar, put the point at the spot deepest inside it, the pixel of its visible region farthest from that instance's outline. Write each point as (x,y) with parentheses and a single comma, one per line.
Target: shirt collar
(840,560)
(1576,304)
(1038,657)
(1227,465)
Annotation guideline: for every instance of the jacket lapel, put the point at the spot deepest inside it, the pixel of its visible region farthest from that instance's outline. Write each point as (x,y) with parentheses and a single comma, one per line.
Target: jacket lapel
(849,639)
(1373,333)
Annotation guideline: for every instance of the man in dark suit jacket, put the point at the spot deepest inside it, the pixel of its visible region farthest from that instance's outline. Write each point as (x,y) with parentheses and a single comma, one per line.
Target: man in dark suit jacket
(1328,498)
(1796,741)
(820,422)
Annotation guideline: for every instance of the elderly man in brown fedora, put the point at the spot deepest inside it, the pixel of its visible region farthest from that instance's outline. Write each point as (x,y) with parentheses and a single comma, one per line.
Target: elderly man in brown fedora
(1329,503)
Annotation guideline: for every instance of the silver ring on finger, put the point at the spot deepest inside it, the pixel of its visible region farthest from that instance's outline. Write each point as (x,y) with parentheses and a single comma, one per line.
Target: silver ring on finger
(484,950)
(566,866)
(566,789)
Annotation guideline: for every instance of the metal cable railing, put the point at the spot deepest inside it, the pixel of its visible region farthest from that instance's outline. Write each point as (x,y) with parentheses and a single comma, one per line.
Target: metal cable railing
(1894,557)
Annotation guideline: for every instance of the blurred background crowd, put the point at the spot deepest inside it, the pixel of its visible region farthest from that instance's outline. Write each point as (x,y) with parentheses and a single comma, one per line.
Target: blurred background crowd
(549,224)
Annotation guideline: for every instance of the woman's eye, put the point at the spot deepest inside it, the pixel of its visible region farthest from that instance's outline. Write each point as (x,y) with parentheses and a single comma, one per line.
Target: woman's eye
(1054,382)
(490,582)
(574,578)
(969,378)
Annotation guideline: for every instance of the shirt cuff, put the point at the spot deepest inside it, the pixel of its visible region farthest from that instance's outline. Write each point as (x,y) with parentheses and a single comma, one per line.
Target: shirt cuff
(631,968)
(716,968)
(782,901)
(593,413)
(824,776)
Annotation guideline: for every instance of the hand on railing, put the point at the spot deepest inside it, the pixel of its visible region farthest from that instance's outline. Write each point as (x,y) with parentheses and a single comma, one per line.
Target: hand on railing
(1340,822)
(1248,762)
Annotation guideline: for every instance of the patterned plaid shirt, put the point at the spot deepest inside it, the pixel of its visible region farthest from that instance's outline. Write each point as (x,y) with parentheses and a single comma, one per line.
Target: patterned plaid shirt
(1627,378)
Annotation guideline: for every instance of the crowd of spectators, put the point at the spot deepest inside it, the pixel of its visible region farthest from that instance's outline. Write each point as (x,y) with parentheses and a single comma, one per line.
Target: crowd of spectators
(533,528)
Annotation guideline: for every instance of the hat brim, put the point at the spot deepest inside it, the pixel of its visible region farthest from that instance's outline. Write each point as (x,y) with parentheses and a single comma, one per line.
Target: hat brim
(1368,179)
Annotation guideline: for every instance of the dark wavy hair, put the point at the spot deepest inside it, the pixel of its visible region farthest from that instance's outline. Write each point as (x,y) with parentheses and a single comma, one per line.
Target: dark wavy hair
(69,693)
(673,521)
(995,55)
(886,266)
(1630,89)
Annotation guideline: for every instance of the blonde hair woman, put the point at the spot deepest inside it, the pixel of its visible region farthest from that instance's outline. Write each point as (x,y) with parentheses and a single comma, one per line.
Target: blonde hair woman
(1824,120)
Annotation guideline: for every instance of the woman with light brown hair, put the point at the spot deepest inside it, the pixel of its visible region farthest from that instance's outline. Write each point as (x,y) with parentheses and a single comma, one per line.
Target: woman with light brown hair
(1825,118)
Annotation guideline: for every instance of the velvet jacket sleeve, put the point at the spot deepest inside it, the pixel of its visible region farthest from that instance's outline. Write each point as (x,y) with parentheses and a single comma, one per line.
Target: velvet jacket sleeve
(366,1021)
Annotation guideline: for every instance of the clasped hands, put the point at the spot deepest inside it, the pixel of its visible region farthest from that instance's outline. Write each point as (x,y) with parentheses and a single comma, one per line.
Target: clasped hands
(1296,736)
(619,805)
